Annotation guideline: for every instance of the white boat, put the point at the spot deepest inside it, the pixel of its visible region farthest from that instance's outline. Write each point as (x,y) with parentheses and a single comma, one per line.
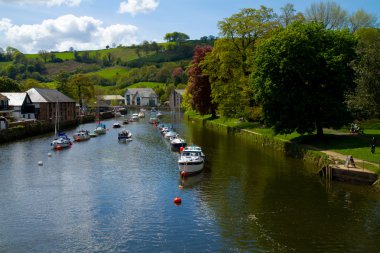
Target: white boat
(100,129)
(176,143)
(170,134)
(191,161)
(159,114)
(135,116)
(124,136)
(81,135)
(60,140)
(141,114)
(116,125)
(194,148)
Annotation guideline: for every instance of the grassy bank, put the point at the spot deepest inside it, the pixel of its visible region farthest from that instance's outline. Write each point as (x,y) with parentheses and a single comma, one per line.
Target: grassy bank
(340,141)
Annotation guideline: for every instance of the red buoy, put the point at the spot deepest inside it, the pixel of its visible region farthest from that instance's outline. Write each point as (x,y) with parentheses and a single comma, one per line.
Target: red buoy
(177,200)
(58,147)
(184,174)
(181,149)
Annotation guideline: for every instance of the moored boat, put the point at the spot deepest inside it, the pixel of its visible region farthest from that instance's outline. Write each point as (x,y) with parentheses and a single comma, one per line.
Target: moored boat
(124,136)
(61,141)
(100,129)
(81,135)
(176,143)
(116,125)
(191,161)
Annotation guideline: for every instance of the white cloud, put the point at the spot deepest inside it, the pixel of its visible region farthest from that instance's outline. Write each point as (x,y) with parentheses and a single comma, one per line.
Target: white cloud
(138,6)
(81,33)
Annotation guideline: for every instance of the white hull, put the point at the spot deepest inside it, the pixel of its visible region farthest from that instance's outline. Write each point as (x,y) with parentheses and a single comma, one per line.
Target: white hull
(190,167)
(59,144)
(100,130)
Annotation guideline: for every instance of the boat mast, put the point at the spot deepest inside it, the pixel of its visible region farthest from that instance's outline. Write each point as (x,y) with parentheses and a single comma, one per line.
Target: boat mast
(56,118)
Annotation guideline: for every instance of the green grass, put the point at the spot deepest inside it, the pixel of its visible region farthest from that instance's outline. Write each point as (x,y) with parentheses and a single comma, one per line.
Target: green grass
(62,55)
(146,85)
(110,73)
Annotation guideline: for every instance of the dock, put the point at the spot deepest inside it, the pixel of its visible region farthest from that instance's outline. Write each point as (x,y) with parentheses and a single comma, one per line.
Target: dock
(339,172)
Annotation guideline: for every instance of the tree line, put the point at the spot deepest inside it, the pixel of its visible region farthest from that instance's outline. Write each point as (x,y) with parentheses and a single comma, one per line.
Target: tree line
(291,71)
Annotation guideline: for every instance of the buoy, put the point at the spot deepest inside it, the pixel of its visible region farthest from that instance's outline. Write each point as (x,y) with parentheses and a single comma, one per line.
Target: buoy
(49,154)
(58,147)
(177,200)
(40,163)
(180,187)
(184,174)
(181,149)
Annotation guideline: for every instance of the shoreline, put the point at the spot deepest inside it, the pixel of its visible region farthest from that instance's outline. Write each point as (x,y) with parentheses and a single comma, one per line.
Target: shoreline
(327,163)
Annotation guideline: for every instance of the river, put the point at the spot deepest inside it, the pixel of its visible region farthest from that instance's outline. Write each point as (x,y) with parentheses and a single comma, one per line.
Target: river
(105,196)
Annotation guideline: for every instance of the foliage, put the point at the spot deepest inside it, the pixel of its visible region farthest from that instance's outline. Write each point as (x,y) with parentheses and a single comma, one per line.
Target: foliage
(81,88)
(365,101)
(300,77)
(199,85)
(333,16)
(176,37)
(289,15)
(8,85)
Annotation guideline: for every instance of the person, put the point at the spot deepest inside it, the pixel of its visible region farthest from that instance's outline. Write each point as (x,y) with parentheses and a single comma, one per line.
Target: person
(373,145)
(352,162)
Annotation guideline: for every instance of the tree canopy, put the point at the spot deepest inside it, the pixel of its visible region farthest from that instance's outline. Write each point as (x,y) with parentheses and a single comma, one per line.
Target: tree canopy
(300,77)
(176,37)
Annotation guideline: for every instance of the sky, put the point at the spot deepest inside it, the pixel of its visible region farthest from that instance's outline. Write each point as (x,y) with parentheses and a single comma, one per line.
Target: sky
(57,25)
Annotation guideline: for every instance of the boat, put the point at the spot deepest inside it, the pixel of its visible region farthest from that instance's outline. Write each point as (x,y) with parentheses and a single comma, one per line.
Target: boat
(116,125)
(100,129)
(194,148)
(177,143)
(191,161)
(81,135)
(60,140)
(170,134)
(125,122)
(124,136)
(93,134)
(154,120)
(159,114)
(117,114)
(141,114)
(135,117)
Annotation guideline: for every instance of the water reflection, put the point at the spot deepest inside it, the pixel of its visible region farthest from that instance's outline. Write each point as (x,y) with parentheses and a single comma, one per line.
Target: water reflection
(101,195)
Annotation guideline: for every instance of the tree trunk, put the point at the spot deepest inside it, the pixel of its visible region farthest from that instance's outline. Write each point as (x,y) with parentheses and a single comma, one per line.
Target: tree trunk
(319,129)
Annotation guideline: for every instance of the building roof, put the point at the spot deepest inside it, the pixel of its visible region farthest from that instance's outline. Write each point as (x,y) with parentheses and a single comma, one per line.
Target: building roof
(15,98)
(38,95)
(111,97)
(143,92)
(2,97)
(180,91)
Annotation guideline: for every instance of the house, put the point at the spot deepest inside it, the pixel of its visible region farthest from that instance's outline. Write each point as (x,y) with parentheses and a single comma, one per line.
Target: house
(46,101)
(175,99)
(4,106)
(21,104)
(141,97)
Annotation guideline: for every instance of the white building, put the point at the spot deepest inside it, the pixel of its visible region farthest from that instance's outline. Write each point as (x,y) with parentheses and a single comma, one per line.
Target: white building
(141,97)
(21,104)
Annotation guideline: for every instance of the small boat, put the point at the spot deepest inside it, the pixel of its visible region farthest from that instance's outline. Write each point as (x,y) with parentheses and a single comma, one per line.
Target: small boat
(194,148)
(159,114)
(170,134)
(176,143)
(93,134)
(81,135)
(61,141)
(124,136)
(135,117)
(125,122)
(154,120)
(116,125)
(117,114)
(191,161)
(141,114)
(100,129)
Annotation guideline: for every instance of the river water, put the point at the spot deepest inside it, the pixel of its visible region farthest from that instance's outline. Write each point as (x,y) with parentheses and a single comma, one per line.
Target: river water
(105,196)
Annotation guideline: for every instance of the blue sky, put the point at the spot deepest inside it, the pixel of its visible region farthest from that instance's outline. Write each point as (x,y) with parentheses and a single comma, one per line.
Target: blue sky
(32,25)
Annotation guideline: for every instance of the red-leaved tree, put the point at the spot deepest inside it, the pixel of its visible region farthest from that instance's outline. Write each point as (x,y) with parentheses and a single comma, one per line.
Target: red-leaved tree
(199,85)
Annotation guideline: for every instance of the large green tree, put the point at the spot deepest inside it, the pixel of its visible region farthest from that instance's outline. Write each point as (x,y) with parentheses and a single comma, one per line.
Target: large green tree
(365,101)
(81,88)
(8,85)
(300,78)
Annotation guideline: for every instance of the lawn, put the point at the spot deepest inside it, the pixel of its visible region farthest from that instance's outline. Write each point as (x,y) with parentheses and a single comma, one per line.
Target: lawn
(146,85)
(110,73)
(339,141)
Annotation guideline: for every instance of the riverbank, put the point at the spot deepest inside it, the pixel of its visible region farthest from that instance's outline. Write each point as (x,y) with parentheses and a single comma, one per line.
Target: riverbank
(321,159)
